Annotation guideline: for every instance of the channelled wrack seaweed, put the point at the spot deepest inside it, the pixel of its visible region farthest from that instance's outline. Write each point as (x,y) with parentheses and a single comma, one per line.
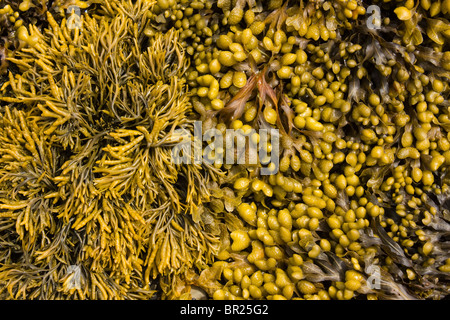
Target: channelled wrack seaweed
(88,186)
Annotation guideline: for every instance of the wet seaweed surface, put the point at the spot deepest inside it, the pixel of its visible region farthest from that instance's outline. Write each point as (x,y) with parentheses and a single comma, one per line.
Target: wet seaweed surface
(96,95)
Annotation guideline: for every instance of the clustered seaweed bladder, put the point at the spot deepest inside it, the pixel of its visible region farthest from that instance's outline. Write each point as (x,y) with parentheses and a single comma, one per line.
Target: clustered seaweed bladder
(93,205)
(88,183)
